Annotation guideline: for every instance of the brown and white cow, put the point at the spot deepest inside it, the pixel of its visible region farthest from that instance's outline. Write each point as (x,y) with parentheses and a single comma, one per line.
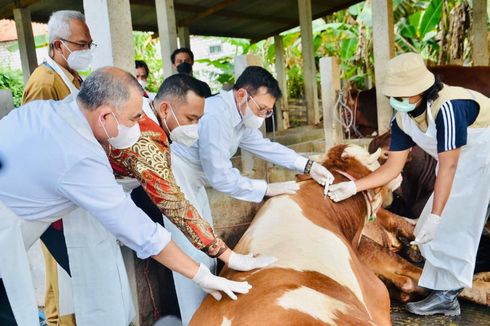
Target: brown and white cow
(318,278)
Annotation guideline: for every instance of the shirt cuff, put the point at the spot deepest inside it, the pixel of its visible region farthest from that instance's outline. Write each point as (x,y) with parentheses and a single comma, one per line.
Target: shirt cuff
(158,241)
(300,164)
(259,190)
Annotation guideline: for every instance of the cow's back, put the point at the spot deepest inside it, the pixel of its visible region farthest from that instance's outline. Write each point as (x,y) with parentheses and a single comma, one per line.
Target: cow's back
(317,279)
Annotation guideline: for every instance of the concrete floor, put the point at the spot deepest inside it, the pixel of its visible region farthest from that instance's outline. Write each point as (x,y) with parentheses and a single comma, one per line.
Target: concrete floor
(471,315)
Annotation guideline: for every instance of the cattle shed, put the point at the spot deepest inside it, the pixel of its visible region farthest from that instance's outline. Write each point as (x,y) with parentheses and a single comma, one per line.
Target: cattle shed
(111,23)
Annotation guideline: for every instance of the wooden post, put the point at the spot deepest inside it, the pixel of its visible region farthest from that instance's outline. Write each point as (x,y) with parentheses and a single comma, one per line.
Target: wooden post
(168,33)
(383,51)
(184,37)
(330,82)
(479,33)
(282,104)
(309,70)
(110,24)
(27,47)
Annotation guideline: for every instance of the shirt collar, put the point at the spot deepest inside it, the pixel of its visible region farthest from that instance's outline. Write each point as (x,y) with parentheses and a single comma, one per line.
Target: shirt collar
(72,77)
(229,99)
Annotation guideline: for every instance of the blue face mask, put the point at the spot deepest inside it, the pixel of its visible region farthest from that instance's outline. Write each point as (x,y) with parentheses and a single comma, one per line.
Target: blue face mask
(402,106)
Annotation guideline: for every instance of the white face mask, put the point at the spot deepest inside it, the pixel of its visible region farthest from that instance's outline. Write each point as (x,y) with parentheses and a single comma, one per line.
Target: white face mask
(143,83)
(250,120)
(126,136)
(186,135)
(78,60)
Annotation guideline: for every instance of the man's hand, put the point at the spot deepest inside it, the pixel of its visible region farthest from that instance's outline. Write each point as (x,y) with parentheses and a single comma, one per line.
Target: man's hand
(281,188)
(427,230)
(321,175)
(214,284)
(342,191)
(248,262)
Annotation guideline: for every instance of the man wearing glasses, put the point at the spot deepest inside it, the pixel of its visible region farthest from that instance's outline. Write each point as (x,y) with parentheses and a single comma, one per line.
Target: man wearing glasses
(232,119)
(70,51)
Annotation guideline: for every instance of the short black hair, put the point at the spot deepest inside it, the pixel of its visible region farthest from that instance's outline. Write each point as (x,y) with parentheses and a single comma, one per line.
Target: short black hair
(177,86)
(255,77)
(142,64)
(429,95)
(432,93)
(182,50)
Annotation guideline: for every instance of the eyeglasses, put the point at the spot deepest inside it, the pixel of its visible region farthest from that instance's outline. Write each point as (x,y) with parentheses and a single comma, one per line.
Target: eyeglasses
(263,111)
(90,46)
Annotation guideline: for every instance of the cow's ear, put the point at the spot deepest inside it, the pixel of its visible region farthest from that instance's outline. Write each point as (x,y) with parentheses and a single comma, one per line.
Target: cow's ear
(375,156)
(302,177)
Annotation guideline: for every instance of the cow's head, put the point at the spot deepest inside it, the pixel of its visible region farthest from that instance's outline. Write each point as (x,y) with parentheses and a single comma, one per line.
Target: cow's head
(357,162)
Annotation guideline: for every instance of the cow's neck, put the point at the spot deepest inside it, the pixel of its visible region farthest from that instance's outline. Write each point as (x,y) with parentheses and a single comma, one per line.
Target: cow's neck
(373,199)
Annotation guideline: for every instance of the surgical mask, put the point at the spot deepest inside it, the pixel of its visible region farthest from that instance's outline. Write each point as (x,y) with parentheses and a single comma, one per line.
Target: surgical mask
(185,68)
(402,106)
(250,120)
(78,60)
(143,83)
(126,136)
(186,135)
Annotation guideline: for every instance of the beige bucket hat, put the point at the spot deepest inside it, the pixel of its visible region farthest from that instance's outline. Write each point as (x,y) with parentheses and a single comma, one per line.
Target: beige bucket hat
(406,76)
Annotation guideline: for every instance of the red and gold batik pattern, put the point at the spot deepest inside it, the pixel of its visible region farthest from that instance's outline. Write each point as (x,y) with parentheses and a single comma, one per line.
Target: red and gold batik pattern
(149,161)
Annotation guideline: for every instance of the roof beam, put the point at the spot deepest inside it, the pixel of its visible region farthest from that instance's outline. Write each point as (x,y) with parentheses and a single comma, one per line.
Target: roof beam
(222,12)
(211,10)
(234,14)
(8,10)
(296,23)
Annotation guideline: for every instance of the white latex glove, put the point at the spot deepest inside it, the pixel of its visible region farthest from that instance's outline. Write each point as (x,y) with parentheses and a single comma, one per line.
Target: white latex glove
(427,230)
(342,190)
(321,175)
(248,262)
(281,188)
(214,284)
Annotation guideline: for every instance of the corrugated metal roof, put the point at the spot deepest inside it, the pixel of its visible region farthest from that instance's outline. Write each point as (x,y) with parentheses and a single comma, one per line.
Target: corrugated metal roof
(252,19)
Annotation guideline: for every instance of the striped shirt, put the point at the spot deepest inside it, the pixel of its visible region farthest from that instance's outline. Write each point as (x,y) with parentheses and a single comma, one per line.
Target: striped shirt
(452,122)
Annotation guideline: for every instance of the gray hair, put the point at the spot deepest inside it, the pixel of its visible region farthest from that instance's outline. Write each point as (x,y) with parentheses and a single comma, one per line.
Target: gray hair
(59,23)
(107,86)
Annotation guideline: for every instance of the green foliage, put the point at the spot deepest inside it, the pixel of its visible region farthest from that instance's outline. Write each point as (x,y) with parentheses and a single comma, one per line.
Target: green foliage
(347,35)
(224,67)
(13,80)
(430,18)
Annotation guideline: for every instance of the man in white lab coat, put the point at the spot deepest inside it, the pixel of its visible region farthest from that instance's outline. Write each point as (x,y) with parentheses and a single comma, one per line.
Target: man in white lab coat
(56,166)
(232,119)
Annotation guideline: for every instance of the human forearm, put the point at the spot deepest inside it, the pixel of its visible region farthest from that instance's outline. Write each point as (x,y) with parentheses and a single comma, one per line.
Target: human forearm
(157,180)
(442,189)
(175,259)
(378,178)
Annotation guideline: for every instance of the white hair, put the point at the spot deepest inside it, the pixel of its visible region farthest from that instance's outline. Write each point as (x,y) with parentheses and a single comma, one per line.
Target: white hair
(59,23)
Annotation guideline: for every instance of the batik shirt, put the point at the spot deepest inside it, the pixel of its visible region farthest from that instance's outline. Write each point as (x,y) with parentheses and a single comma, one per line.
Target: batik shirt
(149,162)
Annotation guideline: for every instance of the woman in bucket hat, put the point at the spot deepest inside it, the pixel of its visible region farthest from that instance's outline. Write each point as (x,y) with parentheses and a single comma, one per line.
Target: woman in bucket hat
(452,124)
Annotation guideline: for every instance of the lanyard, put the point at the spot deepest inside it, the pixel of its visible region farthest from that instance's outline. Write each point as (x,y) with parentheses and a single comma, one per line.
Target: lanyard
(53,65)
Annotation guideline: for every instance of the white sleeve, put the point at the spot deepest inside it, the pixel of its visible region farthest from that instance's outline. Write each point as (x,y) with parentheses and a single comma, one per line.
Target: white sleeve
(214,140)
(254,142)
(91,185)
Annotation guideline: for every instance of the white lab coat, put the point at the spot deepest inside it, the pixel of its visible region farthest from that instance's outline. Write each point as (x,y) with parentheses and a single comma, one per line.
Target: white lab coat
(66,168)
(450,257)
(221,133)
(189,295)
